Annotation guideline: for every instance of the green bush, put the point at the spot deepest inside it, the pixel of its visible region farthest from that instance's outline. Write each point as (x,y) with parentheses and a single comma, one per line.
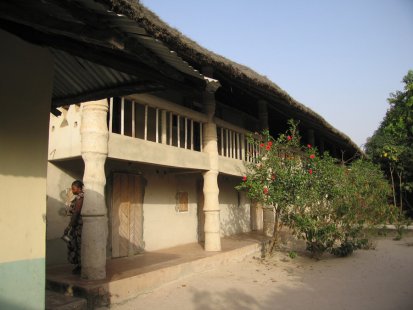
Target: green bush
(325,202)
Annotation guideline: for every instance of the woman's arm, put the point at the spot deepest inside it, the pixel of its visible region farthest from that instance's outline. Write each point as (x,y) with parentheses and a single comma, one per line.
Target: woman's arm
(76,211)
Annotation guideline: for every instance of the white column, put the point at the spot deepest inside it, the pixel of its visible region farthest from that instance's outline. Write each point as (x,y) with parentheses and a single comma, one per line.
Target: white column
(211,189)
(163,127)
(94,144)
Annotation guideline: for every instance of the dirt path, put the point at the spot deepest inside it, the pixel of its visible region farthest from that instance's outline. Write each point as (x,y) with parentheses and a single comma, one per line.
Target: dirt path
(374,279)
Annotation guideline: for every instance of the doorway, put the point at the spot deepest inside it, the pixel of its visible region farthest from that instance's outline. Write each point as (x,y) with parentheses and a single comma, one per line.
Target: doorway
(127,215)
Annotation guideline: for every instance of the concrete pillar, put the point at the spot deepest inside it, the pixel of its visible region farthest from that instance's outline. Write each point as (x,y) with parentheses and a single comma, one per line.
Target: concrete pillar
(256,216)
(268,221)
(310,137)
(211,189)
(263,114)
(94,146)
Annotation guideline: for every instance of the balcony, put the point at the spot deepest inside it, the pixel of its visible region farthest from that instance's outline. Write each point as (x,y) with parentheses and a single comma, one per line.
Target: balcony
(145,128)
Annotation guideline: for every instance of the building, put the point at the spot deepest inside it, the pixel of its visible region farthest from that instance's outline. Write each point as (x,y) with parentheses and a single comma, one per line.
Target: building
(190,109)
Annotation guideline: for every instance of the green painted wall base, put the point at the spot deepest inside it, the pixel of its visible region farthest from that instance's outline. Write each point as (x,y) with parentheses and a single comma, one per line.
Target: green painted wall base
(22,285)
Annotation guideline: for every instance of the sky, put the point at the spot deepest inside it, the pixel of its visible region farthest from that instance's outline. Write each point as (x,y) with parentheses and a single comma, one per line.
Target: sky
(340,58)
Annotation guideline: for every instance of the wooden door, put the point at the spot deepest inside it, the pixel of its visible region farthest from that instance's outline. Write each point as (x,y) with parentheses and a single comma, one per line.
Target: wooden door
(127,215)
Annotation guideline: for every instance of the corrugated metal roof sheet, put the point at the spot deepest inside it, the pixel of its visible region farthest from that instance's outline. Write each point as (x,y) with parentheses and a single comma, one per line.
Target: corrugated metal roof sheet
(90,22)
(75,75)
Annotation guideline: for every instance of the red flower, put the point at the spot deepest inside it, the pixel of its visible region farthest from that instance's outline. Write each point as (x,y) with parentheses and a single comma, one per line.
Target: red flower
(269,143)
(273,177)
(262,145)
(268,147)
(309,146)
(244,178)
(289,138)
(265,191)
(310,171)
(312,156)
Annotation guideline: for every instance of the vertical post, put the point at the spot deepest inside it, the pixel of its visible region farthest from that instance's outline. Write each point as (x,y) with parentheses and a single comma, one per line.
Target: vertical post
(94,149)
(238,147)
(211,189)
(170,127)
(157,126)
(111,114)
(122,116)
(248,151)
(192,134)
(242,147)
(178,130)
(133,120)
(227,143)
(230,144)
(146,123)
(186,132)
(164,129)
(222,141)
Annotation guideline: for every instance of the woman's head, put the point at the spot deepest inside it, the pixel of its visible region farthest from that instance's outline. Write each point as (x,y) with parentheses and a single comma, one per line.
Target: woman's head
(77,187)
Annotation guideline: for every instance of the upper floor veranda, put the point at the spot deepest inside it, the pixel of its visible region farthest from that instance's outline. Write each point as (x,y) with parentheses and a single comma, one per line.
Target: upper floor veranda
(166,129)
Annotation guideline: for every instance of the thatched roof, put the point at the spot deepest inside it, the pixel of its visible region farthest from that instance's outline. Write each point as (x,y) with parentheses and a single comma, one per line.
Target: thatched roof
(200,56)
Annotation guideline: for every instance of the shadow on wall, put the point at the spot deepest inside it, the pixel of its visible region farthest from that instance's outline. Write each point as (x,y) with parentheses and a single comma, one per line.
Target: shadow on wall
(60,177)
(56,247)
(235,209)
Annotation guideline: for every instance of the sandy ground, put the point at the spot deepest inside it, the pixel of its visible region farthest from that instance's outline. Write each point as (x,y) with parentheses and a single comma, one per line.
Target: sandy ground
(369,279)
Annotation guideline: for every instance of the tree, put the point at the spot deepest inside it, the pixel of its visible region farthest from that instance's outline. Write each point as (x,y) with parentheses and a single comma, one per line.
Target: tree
(323,201)
(391,145)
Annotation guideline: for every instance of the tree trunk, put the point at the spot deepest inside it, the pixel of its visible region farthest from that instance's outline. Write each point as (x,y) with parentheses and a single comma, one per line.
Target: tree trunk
(400,191)
(276,229)
(268,221)
(392,183)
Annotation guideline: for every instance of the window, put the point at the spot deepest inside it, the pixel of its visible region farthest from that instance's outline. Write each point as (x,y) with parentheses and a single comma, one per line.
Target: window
(182,201)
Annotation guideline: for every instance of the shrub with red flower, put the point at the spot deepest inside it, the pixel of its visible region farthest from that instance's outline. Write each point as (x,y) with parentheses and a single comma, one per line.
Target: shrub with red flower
(313,195)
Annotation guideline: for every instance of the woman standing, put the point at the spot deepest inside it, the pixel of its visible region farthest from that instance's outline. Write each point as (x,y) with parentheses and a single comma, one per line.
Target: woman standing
(74,229)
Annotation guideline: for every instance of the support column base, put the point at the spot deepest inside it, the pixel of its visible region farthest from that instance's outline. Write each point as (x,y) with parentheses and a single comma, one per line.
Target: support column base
(212,242)
(94,235)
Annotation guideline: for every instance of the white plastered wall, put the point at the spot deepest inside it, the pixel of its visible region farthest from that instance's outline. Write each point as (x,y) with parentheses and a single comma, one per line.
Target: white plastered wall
(64,137)
(163,225)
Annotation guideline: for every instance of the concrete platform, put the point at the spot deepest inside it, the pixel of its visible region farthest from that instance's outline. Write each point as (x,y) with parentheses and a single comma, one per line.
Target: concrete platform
(131,276)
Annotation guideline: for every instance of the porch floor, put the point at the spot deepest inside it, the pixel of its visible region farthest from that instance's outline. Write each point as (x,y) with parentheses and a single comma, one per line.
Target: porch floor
(129,277)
